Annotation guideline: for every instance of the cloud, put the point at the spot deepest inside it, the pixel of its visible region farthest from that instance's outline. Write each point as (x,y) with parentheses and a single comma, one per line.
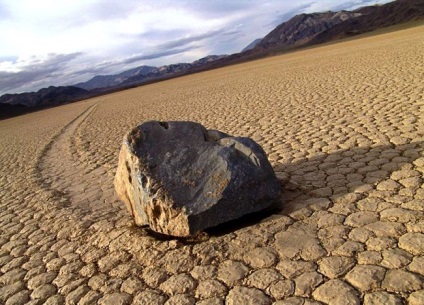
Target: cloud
(34,71)
(189,39)
(218,8)
(289,13)
(106,10)
(29,74)
(4,11)
(317,6)
(154,55)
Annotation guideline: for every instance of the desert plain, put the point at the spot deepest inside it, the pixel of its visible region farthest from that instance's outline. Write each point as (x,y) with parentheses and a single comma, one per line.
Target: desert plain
(343,127)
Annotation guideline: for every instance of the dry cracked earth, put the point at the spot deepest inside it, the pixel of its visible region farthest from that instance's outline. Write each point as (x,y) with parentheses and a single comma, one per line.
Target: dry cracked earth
(343,126)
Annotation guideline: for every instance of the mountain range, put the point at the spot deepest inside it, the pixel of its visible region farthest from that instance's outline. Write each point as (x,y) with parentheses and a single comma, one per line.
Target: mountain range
(145,74)
(300,31)
(309,29)
(103,81)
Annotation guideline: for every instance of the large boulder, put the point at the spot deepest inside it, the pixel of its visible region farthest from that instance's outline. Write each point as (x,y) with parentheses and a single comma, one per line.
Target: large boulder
(179,177)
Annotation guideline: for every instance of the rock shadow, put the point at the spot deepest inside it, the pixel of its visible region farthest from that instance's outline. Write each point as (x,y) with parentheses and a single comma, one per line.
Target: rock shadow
(332,176)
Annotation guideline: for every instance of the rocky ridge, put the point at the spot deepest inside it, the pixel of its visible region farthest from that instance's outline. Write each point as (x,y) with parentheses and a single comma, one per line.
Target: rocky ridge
(45,97)
(104,81)
(309,29)
(303,28)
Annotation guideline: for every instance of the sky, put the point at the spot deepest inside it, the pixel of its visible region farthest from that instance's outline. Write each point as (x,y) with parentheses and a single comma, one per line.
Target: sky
(62,42)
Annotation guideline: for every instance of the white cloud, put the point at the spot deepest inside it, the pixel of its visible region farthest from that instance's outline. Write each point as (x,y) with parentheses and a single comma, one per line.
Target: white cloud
(28,72)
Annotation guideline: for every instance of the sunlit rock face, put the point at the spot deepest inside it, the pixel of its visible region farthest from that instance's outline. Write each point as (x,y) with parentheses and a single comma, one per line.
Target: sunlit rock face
(179,178)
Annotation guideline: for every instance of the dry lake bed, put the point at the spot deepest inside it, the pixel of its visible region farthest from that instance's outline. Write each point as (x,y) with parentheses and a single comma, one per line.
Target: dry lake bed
(343,126)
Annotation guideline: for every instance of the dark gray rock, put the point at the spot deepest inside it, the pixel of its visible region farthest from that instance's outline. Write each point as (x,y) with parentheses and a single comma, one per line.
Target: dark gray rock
(179,178)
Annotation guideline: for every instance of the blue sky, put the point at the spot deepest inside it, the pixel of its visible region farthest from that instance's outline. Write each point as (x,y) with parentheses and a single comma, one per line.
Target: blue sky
(62,42)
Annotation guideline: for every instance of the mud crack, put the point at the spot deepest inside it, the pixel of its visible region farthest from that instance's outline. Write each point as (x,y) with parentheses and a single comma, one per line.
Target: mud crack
(62,173)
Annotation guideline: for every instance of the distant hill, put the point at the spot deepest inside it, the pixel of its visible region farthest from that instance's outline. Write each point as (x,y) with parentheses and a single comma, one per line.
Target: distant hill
(8,111)
(302,28)
(144,74)
(16,104)
(45,97)
(300,31)
(252,44)
(373,18)
(308,29)
(104,81)
(173,70)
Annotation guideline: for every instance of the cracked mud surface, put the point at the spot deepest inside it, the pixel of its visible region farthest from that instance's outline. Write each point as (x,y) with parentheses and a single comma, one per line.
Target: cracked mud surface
(343,126)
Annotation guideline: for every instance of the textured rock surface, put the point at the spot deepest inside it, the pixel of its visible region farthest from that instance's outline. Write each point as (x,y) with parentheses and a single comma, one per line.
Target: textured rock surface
(179,177)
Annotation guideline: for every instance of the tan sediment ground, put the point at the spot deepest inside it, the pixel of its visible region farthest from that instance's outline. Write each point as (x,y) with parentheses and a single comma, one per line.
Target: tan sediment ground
(343,126)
